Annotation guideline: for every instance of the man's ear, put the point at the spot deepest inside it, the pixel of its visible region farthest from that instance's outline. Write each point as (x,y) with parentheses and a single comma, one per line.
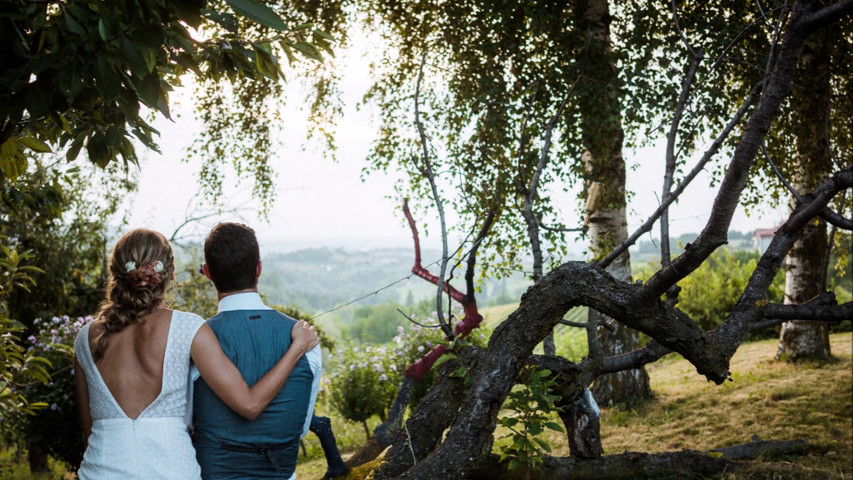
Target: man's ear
(258,270)
(206,272)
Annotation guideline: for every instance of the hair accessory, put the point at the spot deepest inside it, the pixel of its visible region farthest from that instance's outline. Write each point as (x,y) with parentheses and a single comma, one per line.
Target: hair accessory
(146,275)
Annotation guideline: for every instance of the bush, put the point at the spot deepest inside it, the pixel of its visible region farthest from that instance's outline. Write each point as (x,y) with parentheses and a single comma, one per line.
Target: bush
(55,430)
(710,293)
(364,383)
(365,379)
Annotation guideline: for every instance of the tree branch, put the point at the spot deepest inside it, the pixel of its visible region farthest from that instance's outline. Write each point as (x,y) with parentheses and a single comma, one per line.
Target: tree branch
(428,172)
(715,232)
(709,154)
(670,143)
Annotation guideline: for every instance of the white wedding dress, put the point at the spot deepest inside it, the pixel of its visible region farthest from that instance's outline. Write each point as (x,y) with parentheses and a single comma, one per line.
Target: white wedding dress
(156,444)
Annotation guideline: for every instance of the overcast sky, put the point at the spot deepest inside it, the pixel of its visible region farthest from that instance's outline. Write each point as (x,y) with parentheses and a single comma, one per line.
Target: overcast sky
(323,203)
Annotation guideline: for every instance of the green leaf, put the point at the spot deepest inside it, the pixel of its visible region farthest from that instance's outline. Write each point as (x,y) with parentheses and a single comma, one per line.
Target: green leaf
(149,90)
(102,30)
(308,50)
(444,358)
(12,163)
(223,19)
(542,444)
(150,56)
(324,35)
(554,426)
(73,25)
(107,81)
(509,421)
(258,12)
(286,46)
(35,144)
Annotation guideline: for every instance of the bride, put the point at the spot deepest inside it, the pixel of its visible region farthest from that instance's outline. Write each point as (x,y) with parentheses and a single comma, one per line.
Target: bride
(132,365)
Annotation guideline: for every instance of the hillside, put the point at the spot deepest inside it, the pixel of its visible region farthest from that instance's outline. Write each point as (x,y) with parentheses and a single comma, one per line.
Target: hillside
(321,279)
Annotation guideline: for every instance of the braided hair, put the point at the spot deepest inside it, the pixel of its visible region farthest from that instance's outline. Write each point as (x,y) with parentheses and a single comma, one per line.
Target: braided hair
(141,268)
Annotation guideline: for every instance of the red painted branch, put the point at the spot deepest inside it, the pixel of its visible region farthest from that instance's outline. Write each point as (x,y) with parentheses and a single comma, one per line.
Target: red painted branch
(419,369)
(419,270)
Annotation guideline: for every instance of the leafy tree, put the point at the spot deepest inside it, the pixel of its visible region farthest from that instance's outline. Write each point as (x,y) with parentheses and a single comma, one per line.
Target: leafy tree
(75,74)
(67,235)
(530,405)
(18,366)
(470,412)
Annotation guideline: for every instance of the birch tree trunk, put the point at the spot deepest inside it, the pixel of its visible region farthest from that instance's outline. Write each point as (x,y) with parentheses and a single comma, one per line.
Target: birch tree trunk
(605,193)
(802,340)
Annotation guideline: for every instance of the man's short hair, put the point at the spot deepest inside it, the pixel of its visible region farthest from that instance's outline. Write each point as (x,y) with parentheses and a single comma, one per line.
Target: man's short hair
(232,256)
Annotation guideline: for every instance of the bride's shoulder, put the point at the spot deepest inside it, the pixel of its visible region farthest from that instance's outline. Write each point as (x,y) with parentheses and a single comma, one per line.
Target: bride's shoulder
(188,317)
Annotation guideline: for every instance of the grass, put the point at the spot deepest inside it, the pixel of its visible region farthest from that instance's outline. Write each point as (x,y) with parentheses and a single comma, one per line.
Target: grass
(767,398)
(771,399)
(14,466)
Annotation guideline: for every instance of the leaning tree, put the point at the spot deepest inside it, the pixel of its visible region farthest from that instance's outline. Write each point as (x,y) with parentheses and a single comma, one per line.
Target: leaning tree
(449,435)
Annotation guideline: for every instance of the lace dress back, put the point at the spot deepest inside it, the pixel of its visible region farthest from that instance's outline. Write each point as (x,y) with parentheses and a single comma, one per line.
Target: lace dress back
(156,444)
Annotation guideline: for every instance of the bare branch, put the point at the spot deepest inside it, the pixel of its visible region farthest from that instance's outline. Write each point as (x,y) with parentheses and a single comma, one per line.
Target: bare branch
(472,257)
(836,220)
(715,232)
(417,268)
(826,15)
(531,193)
(751,304)
(681,33)
(650,353)
(709,154)
(779,175)
(428,172)
(670,144)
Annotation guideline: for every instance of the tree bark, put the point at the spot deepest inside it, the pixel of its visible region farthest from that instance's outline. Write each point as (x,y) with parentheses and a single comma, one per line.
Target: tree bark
(425,427)
(605,202)
(809,340)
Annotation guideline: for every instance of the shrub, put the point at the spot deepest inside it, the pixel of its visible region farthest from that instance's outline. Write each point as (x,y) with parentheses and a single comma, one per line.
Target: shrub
(56,429)
(365,379)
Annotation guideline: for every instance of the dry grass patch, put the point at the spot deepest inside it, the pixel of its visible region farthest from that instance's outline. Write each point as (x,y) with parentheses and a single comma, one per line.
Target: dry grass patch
(771,399)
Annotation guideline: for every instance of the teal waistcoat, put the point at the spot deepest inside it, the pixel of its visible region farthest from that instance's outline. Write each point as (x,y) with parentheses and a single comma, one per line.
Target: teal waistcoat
(228,445)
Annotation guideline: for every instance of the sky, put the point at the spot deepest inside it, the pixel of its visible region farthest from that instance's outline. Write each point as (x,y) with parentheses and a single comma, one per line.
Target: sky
(323,203)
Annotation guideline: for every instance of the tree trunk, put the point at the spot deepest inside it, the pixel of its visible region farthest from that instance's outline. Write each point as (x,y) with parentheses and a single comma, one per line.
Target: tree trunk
(426,425)
(804,273)
(605,193)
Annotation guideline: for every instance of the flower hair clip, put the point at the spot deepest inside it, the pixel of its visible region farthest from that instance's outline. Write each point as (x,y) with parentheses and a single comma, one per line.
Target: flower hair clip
(146,275)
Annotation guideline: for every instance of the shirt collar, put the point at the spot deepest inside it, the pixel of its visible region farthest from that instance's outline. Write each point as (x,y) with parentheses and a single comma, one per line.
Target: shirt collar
(242,301)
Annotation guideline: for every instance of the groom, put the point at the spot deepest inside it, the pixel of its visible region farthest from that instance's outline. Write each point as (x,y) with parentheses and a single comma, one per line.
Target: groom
(254,337)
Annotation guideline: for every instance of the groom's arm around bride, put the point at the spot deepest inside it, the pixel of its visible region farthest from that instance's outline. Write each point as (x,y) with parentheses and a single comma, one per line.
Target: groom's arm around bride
(254,337)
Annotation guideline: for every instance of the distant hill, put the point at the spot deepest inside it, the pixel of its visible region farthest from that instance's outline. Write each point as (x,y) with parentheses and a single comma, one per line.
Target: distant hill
(320,279)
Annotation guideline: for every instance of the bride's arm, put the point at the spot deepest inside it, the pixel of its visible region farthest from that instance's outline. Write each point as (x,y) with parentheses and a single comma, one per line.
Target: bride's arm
(83,400)
(227,382)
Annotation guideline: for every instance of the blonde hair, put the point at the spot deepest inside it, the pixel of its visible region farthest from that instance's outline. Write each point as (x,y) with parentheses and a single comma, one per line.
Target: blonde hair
(130,294)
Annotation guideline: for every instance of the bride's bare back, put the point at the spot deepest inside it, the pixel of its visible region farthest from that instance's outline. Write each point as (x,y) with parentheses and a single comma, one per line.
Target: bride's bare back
(132,364)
